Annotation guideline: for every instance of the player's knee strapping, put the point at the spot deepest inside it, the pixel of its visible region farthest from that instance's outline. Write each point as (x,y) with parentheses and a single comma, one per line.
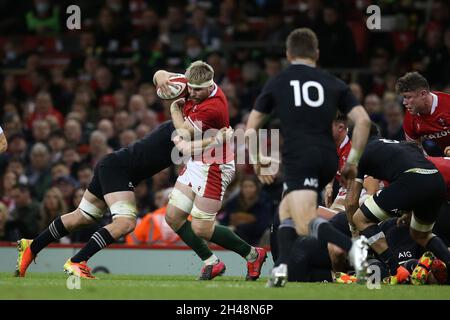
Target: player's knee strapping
(314,226)
(89,210)
(372,210)
(123,209)
(420,226)
(181,201)
(373,233)
(202,215)
(287,223)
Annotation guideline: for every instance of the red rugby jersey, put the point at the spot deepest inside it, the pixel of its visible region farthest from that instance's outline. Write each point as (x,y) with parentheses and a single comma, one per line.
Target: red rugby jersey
(434,126)
(212,113)
(443,165)
(343,150)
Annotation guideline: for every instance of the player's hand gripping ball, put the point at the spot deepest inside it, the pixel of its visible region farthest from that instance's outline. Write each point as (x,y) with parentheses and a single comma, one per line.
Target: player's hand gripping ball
(177,88)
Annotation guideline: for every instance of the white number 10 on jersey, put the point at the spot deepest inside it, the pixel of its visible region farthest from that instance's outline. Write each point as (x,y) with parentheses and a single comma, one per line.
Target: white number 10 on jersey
(305,93)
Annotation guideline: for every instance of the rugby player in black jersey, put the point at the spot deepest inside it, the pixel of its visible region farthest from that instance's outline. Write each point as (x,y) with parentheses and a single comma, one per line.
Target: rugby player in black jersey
(112,186)
(307,99)
(414,185)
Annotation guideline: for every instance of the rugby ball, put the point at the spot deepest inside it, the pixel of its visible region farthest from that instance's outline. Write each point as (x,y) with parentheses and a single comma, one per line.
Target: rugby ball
(178,88)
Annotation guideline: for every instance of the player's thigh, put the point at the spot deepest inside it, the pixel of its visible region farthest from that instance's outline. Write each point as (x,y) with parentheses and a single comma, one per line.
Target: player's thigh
(302,206)
(390,202)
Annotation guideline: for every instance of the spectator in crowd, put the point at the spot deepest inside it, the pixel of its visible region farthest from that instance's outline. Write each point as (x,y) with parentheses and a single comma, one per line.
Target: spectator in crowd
(249,213)
(17,166)
(174,28)
(59,169)
(46,110)
(57,142)
(66,185)
(357,91)
(98,147)
(127,137)
(73,132)
(337,46)
(84,175)
(38,173)
(372,104)
(43,18)
(41,131)
(393,116)
(71,157)
(25,218)
(9,180)
(107,128)
(52,206)
(12,124)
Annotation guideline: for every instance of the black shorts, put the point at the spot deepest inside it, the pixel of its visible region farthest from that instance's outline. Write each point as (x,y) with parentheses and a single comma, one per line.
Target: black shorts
(421,193)
(312,170)
(111,174)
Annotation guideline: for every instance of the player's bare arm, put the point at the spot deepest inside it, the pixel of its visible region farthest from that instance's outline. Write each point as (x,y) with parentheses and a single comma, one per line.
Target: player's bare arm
(184,127)
(360,118)
(3,143)
(352,201)
(193,147)
(255,121)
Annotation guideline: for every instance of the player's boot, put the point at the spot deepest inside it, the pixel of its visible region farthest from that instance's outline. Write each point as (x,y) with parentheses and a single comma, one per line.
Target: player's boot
(358,258)
(79,269)
(439,271)
(24,257)
(278,277)
(342,277)
(402,277)
(211,271)
(420,273)
(254,268)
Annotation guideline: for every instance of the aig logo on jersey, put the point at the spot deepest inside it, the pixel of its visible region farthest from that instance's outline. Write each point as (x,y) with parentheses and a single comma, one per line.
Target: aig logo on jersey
(311,182)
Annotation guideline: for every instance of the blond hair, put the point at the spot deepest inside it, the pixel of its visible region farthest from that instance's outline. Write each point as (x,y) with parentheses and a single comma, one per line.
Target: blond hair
(199,72)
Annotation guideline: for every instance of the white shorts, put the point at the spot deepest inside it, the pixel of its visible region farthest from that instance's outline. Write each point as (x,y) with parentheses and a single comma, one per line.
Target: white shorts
(207,180)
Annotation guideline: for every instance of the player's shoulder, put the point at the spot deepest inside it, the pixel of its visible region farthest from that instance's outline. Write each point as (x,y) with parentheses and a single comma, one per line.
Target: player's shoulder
(442,97)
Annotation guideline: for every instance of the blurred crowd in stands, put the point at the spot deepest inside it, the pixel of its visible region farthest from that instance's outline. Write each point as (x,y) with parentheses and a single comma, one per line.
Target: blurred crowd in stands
(69,97)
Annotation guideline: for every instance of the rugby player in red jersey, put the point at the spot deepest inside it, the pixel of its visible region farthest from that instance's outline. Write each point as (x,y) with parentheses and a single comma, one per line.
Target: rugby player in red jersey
(200,188)
(428,116)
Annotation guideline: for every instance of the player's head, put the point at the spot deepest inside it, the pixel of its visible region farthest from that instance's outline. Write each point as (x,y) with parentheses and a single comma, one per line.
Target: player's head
(415,91)
(339,128)
(200,82)
(302,43)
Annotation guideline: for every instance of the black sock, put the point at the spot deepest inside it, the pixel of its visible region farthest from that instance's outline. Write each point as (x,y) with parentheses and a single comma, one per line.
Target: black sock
(324,231)
(286,238)
(389,259)
(54,231)
(98,241)
(440,250)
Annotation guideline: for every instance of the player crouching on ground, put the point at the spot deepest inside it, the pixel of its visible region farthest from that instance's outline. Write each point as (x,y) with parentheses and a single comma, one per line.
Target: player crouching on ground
(201,185)
(415,185)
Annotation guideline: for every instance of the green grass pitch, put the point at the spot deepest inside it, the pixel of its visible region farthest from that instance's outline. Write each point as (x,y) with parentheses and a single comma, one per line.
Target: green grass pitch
(53,286)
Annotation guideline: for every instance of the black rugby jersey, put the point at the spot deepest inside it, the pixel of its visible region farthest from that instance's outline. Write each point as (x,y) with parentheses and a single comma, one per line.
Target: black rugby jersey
(149,155)
(306,99)
(387,159)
